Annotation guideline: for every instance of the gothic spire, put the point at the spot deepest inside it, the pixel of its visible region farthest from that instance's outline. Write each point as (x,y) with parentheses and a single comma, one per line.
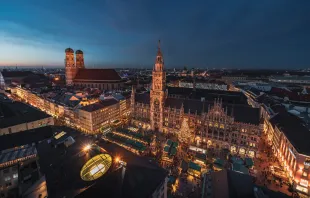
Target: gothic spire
(158,49)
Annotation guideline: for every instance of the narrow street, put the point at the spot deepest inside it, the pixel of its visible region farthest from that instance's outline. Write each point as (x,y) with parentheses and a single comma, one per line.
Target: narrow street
(264,174)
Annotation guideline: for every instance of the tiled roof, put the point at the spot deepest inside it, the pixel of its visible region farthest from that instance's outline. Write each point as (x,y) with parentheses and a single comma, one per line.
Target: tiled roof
(241,113)
(97,74)
(295,129)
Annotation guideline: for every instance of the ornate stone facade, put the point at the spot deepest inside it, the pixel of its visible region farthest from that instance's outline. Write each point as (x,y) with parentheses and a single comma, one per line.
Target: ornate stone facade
(158,92)
(212,124)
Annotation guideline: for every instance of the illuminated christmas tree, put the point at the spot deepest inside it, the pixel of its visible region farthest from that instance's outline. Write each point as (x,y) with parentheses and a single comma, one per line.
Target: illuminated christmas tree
(185,133)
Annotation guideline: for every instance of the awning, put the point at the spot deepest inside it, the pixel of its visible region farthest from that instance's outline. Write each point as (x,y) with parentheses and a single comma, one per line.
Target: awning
(240,168)
(194,166)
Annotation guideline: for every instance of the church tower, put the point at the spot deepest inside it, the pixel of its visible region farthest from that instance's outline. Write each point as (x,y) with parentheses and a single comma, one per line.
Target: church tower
(79,59)
(70,66)
(158,92)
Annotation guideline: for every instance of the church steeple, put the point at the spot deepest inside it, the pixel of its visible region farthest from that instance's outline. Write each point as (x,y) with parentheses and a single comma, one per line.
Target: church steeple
(158,92)
(159,63)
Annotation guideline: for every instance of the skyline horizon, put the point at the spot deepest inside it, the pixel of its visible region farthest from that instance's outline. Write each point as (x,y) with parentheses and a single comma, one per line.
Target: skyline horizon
(150,67)
(117,33)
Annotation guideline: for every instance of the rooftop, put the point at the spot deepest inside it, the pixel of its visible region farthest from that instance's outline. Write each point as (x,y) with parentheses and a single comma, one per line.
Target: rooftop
(295,129)
(241,113)
(97,75)
(14,113)
(7,157)
(99,105)
(209,95)
(231,184)
(142,98)
(25,137)
(62,168)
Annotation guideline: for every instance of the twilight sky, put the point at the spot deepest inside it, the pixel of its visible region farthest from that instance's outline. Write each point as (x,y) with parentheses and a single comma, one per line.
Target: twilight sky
(121,33)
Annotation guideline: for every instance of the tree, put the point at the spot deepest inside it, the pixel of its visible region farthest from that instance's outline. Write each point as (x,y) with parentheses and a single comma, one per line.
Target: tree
(185,134)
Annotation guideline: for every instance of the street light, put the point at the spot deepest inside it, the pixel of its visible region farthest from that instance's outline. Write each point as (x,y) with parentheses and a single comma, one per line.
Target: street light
(87,147)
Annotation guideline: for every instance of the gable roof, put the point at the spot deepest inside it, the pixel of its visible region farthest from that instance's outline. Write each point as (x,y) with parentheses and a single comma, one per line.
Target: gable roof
(97,74)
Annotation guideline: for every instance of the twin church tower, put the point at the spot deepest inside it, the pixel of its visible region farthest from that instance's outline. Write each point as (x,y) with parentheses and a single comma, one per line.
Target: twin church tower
(72,64)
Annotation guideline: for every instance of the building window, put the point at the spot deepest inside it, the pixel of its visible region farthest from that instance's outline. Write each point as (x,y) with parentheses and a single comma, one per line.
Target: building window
(15,175)
(7,178)
(233,149)
(302,189)
(242,151)
(251,153)
(222,126)
(304,174)
(304,182)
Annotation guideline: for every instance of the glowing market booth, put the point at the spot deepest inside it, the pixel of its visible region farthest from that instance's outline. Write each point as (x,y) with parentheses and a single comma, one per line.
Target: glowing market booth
(96,167)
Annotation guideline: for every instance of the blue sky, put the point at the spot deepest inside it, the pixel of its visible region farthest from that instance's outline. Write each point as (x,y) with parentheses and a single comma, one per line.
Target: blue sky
(124,33)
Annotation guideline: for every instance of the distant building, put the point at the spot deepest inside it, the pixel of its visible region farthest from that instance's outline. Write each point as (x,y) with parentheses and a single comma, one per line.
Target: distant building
(232,78)
(78,75)
(291,79)
(24,78)
(203,84)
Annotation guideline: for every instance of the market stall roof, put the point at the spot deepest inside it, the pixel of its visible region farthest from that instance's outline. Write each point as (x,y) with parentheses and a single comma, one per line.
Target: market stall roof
(166,149)
(171,180)
(240,168)
(175,144)
(249,162)
(219,162)
(194,166)
(201,156)
(169,142)
(173,151)
(237,160)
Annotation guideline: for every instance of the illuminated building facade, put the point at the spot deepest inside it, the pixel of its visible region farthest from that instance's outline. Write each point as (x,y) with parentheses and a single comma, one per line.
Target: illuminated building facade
(79,76)
(288,136)
(98,115)
(218,119)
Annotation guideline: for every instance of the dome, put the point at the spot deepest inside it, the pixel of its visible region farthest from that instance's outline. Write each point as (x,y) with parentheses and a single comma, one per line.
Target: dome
(78,52)
(96,167)
(69,50)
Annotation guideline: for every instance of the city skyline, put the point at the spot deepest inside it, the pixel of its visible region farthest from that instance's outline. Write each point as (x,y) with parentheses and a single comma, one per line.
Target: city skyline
(118,34)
